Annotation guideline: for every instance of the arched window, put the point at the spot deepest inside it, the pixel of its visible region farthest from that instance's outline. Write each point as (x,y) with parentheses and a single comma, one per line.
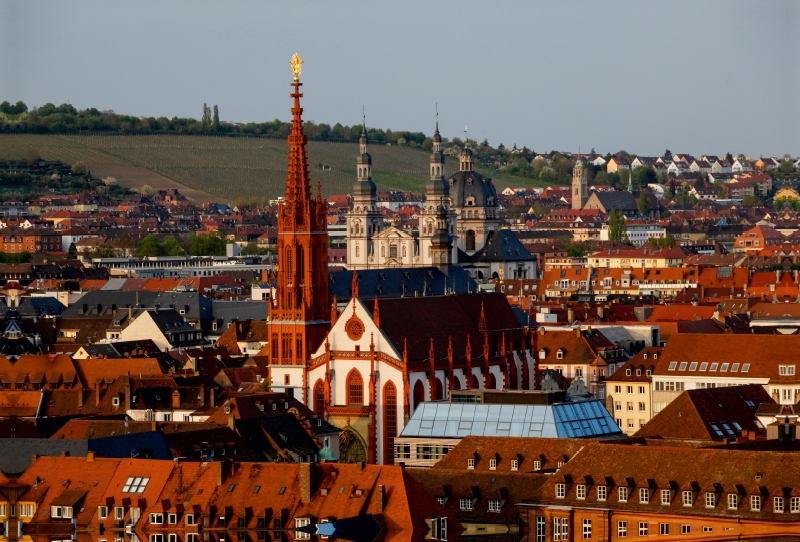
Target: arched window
(355,388)
(474,383)
(383,252)
(389,422)
(301,263)
(319,398)
(419,394)
(439,395)
(404,251)
(290,261)
(470,240)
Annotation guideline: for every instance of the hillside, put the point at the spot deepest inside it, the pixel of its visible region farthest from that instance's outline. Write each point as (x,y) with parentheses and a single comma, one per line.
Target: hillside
(226,168)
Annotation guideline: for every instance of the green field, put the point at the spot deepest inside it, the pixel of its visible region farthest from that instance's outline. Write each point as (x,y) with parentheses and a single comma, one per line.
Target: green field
(226,168)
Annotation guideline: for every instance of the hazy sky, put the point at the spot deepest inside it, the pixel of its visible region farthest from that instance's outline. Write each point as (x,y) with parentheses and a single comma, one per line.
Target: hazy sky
(697,77)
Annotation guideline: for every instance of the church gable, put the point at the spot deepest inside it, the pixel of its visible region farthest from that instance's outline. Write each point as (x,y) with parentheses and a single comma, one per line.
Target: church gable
(392,232)
(354,329)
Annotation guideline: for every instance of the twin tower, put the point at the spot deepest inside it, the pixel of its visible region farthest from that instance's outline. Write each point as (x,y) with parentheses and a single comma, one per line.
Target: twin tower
(457,216)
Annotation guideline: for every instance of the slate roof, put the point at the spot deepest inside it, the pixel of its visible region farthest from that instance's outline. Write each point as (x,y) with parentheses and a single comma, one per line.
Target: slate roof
(501,246)
(617,201)
(197,306)
(16,453)
(400,282)
(226,312)
(277,437)
(144,445)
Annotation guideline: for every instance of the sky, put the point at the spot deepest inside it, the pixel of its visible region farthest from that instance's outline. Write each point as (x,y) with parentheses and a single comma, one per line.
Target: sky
(694,77)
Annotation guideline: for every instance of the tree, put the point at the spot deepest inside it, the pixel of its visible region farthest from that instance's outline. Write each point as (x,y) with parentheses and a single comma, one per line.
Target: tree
(149,247)
(101,250)
(751,201)
(787,166)
(72,252)
(617,231)
(146,190)
(667,155)
(574,251)
(540,209)
(78,168)
(206,116)
(212,244)
(250,248)
(644,175)
(728,157)
(642,203)
(216,118)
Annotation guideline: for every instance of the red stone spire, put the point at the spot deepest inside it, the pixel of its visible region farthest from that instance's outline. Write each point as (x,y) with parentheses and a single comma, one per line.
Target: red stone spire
(301,314)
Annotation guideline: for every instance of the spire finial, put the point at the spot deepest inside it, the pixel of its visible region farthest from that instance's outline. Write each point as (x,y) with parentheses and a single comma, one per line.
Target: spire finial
(363,117)
(466,137)
(437,116)
(297,64)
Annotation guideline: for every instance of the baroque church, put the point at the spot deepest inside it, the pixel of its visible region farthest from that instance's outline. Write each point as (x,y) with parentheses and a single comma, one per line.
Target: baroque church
(458,216)
(366,366)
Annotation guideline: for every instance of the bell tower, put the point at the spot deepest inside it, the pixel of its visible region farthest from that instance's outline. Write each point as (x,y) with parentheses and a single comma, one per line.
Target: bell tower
(580,190)
(364,219)
(301,309)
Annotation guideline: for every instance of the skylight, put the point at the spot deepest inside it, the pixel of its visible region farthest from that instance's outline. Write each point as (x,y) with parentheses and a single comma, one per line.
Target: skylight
(135,484)
(704,366)
(745,367)
(673,365)
(714,366)
(693,366)
(724,368)
(683,366)
(735,368)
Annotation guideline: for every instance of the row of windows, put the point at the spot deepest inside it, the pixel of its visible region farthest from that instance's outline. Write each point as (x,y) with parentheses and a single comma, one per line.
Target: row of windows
(687,498)
(561,529)
(467,504)
(629,389)
(629,406)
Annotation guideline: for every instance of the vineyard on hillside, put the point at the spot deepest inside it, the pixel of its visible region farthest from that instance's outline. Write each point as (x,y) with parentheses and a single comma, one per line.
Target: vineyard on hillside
(229,167)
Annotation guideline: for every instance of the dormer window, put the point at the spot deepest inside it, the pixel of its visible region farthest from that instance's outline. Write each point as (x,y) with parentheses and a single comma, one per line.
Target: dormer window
(493,464)
(514,464)
(560,353)
(471,463)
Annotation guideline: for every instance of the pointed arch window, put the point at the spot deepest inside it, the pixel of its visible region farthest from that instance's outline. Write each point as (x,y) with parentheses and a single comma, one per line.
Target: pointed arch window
(319,398)
(419,393)
(355,388)
(389,421)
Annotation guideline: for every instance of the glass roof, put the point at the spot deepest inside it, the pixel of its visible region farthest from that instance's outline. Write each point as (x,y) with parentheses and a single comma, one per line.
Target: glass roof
(565,420)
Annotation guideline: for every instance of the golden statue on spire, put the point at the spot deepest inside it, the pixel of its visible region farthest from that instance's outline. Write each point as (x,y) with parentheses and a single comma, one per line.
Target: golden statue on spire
(296,63)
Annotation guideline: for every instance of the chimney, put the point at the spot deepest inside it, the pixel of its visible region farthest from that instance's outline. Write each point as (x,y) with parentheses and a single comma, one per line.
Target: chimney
(97,393)
(64,453)
(34,457)
(306,482)
(600,312)
(381,498)
(232,422)
(211,397)
(570,315)
(90,457)
(80,397)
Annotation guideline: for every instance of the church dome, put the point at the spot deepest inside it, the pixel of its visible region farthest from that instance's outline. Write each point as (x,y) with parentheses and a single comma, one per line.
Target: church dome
(364,159)
(471,189)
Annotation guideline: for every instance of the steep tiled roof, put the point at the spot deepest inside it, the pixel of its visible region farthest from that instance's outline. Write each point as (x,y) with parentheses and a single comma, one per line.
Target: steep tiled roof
(728,350)
(701,470)
(548,451)
(710,414)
